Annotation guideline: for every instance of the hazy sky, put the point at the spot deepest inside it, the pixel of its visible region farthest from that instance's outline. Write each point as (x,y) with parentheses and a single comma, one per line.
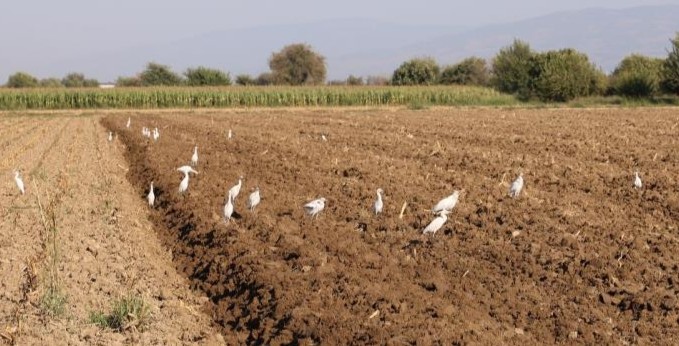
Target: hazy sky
(35,30)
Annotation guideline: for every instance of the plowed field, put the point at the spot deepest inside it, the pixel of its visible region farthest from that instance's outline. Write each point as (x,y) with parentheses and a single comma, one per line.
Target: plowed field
(580,257)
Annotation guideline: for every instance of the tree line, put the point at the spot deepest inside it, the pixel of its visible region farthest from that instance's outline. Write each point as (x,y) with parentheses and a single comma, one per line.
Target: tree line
(555,75)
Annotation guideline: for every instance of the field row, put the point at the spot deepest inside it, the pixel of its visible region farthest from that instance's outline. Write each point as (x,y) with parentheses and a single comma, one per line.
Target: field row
(248,97)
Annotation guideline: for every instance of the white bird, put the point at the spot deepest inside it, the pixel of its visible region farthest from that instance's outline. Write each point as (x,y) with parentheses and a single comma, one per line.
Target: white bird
(194,158)
(378,203)
(447,203)
(637,180)
(228,208)
(516,187)
(324,138)
(184,184)
(235,190)
(156,134)
(128,123)
(229,135)
(151,196)
(110,136)
(437,223)
(187,170)
(19,182)
(314,207)
(254,199)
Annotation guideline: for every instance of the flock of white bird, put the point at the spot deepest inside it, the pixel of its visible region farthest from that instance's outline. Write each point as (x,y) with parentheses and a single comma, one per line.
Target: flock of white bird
(315,207)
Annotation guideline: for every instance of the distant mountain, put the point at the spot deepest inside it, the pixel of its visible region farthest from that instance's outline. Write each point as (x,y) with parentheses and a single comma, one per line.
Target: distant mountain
(367,47)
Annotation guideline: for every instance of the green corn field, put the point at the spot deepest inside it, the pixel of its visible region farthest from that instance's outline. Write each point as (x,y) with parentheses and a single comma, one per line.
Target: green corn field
(224,97)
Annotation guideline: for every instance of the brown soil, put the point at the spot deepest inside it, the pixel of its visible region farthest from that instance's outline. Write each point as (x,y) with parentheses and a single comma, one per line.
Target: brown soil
(106,247)
(580,257)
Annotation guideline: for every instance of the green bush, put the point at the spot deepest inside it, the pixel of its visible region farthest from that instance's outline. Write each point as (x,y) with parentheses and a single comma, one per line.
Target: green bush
(636,76)
(157,74)
(354,80)
(670,69)
(470,71)
(298,64)
(78,80)
(51,83)
(203,76)
(128,82)
(419,71)
(562,76)
(511,69)
(22,80)
(245,79)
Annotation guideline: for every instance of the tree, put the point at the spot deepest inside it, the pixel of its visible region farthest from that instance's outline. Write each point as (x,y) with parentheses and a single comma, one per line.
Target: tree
(670,69)
(298,64)
(245,79)
(22,80)
(51,83)
(78,80)
(201,76)
(636,76)
(562,75)
(419,71)
(377,80)
(157,74)
(470,71)
(511,68)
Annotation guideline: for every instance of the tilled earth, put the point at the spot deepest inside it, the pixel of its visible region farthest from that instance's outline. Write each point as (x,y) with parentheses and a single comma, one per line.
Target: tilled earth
(106,248)
(580,257)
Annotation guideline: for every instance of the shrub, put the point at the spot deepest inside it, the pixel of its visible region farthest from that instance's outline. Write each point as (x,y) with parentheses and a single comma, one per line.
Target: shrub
(157,74)
(670,69)
(22,80)
(78,80)
(354,80)
(128,82)
(511,69)
(470,71)
(245,79)
(636,76)
(51,83)
(203,76)
(562,76)
(419,71)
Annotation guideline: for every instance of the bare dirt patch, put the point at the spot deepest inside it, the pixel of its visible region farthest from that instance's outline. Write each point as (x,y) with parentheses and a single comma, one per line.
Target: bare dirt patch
(580,257)
(104,247)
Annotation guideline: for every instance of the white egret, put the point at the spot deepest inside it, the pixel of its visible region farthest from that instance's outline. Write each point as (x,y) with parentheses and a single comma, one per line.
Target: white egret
(228,208)
(187,170)
(229,135)
(151,196)
(254,199)
(194,158)
(235,190)
(378,203)
(637,180)
(437,223)
(314,207)
(128,123)
(110,136)
(184,184)
(447,203)
(19,182)
(516,187)
(325,139)
(156,134)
